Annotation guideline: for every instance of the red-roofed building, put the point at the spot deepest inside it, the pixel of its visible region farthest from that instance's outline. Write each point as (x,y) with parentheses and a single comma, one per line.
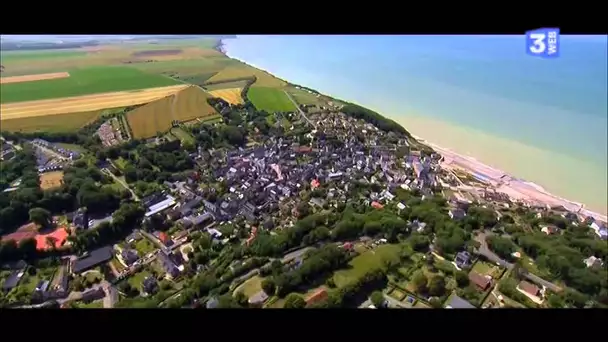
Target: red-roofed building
(315,184)
(164,238)
(377,205)
(303,149)
(317,296)
(347,246)
(59,236)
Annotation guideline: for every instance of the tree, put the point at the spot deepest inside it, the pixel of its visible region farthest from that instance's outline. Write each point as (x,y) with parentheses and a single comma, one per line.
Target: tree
(437,286)
(377,298)
(241,299)
(462,279)
(294,301)
(268,286)
(40,216)
(419,281)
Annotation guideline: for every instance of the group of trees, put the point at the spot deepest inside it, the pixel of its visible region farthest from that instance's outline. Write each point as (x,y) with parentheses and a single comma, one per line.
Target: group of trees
(374,118)
(327,259)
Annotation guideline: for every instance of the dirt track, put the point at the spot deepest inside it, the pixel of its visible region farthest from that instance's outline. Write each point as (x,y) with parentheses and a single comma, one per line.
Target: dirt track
(232,95)
(85,103)
(30,78)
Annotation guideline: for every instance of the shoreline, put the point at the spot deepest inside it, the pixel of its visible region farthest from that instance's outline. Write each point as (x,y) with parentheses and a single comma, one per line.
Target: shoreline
(516,187)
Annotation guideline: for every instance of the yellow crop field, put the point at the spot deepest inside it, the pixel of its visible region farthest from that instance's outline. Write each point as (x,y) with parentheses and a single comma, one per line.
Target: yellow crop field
(18,110)
(231,95)
(157,116)
(264,79)
(69,122)
(191,103)
(151,118)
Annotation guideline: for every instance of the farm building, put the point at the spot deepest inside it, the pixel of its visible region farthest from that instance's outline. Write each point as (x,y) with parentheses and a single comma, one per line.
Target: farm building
(93,259)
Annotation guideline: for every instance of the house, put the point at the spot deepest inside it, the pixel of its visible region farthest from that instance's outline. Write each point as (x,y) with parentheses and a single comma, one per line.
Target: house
(549,230)
(133,237)
(165,239)
(92,259)
(463,259)
(592,261)
(316,297)
(317,202)
(603,233)
(482,282)
(92,295)
(315,184)
(150,285)
(168,265)
(158,207)
(529,288)
(129,256)
(80,219)
(258,299)
(212,303)
(457,214)
(376,205)
(459,303)
(13,280)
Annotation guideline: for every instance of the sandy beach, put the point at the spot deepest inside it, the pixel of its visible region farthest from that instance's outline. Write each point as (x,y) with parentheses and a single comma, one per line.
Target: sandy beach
(500,153)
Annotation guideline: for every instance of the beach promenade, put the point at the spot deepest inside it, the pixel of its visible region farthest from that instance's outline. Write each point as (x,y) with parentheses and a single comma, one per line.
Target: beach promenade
(516,189)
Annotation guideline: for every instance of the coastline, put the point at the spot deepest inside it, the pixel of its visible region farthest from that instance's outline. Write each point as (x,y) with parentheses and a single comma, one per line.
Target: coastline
(518,188)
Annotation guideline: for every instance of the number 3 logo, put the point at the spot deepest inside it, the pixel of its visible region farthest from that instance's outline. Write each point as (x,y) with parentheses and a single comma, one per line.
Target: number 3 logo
(538,46)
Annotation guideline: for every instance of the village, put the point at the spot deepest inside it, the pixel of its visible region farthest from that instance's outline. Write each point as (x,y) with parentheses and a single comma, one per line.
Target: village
(194,227)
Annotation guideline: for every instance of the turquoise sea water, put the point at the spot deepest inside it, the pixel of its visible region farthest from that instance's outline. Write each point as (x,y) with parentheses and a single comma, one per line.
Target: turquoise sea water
(487,83)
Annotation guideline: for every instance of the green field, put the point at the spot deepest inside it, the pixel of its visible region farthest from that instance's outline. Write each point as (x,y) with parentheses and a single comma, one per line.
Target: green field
(182,135)
(137,279)
(13,56)
(270,99)
(72,147)
(250,287)
(84,81)
(144,246)
(365,262)
(304,97)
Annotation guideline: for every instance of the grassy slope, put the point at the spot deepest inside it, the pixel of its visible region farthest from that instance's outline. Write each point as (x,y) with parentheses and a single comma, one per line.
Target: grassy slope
(83,82)
(270,99)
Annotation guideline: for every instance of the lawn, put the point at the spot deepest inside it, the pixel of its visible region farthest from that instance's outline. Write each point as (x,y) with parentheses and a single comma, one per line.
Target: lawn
(397,294)
(182,135)
(144,246)
(98,304)
(251,286)
(93,276)
(137,279)
(119,266)
(486,268)
(85,81)
(365,262)
(120,163)
(270,99)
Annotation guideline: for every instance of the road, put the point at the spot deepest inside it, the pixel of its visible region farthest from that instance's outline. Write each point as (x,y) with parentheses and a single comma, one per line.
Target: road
(485,251)
(299,109)
(121,182)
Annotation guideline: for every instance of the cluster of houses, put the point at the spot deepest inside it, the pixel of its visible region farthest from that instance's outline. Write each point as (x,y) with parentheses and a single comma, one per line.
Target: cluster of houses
(7,151)
(69,154)
(108,135)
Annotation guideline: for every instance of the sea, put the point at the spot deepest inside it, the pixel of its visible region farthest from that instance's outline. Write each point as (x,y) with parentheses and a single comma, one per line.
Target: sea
(542,120)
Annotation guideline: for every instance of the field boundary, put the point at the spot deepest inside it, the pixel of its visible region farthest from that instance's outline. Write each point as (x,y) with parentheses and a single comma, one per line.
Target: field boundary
(33,77)
(237,79)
